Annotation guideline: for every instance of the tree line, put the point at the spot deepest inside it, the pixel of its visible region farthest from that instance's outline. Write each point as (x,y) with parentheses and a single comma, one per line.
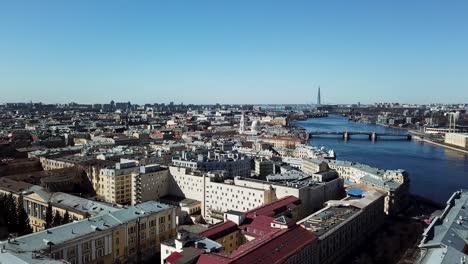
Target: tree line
(53,220)
(13,217)
(15,220)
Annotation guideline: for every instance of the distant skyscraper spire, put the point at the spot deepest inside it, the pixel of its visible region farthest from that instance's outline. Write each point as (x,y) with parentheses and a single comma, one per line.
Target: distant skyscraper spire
(319,99)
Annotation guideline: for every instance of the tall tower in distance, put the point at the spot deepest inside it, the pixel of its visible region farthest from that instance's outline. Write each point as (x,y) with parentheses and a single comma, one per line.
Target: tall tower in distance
(242,124)
(319,99)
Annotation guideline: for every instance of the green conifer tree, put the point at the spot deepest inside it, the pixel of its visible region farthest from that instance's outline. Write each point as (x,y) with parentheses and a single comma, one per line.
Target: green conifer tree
(12,214)
(66,218)
(48,217)
(57,219)
(24,226)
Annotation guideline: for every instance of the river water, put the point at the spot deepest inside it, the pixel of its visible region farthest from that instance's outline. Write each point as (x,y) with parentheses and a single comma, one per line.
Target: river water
(435,172)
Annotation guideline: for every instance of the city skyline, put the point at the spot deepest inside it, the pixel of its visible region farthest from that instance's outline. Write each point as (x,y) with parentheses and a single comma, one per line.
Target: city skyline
(249,53)
(228,132)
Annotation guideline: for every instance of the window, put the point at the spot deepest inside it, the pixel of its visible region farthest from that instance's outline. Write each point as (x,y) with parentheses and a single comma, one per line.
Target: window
(56,255)
(100,242)
(86,258)
(100,252)
(86,246)
(71,252)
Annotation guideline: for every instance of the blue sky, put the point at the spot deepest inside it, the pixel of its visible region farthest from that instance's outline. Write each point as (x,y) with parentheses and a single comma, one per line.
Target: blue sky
(234,51)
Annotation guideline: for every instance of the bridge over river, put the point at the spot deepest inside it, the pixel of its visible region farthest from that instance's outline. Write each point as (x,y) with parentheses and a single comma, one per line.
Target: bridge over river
(371,135)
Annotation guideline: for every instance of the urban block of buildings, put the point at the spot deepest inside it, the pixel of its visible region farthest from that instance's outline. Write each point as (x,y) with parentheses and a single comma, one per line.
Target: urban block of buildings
(127,235)
(445,240)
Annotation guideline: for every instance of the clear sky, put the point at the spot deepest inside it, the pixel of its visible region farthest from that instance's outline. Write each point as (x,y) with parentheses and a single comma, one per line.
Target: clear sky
(234,51)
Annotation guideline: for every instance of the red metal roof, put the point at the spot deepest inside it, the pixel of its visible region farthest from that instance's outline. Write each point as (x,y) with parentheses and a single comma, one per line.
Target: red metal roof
(279,248)
(257,226)
(269,209)
(213,259)
(173,257)
(270,246)
(220,230)
(272,249)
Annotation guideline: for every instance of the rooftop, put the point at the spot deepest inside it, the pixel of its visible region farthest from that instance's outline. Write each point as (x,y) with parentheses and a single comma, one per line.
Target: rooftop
(338,212)
(325,220)
(186,256)
(446,239)
(301,183)
(22,247)
(82,205)
(220,230)
(275,208)
(14,186)
(271,249)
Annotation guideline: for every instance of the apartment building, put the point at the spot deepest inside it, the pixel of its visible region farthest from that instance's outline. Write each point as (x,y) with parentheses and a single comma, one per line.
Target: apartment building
(263,167)
(186,246)
(457,139)
(16,188)
(312,193)
(283,141)
(234,164)
(128,235)
(221,197)
(114,185)
(216,193)
(150,183)
(54,162)
(35,203)
(264,234)
(445,239)
(393,183)
(343,224)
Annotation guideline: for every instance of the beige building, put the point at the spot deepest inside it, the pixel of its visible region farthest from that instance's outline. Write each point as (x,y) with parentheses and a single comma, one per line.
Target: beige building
(343,225)
(393,183)
(150,183)
(129,235)
(224,196)
(312,193)
(36,202)
(280,120)
(216,194)
(52,163)
(114,185)
(283,141)
(457,139)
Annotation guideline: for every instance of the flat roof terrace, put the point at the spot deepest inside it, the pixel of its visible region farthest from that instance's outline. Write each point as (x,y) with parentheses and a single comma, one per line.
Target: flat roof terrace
(327,219)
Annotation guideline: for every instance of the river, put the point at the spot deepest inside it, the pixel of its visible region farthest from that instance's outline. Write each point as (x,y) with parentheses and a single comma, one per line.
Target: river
(435,172)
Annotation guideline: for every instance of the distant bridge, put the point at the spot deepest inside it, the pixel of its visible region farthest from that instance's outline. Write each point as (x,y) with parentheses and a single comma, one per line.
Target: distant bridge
(371,135)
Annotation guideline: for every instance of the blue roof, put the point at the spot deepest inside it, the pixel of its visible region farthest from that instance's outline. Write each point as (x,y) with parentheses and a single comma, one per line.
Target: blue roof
(355,192)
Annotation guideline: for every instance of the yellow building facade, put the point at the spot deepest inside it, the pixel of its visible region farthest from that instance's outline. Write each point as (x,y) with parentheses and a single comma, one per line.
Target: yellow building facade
(128,235)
